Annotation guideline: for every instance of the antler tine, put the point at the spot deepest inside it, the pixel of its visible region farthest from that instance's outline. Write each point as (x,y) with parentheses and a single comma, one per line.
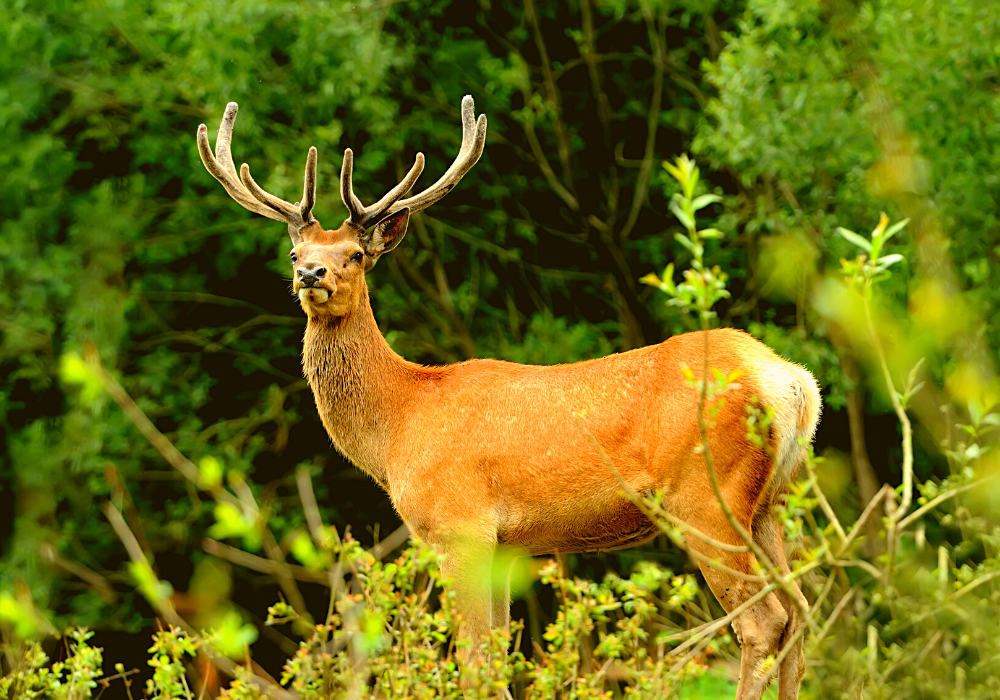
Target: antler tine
(375,211)
(351,201)
(362,216)
(468,122)
(473,142)
(244,189)
(224,141)
(229,179)
(309,186)
(289,210)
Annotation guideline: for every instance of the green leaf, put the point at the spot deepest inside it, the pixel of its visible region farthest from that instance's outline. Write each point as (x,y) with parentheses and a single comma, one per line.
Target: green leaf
(704,200)
(975,411)
(232,636)
(154,590)
(230,522)
(675,172)
(303,549)
(75,371)
(12,613)
(894,229)
(668,279)
(913,390)
(855,239)
(887,260)
(372,638)
(682,215)
(692,182)
(211,472)
(695,249)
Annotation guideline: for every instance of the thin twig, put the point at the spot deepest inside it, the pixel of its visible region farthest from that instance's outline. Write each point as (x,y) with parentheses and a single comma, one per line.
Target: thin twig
(899,511)
(155,438)
(387,544)
(552,92)
(824,504)
(684,527)
(128,539)
(591,57)
(974,584)
(951,493)
(869,509)
(543,164)
(676,668)
(711,627)
(833,616)
(310,507)
(658,41)
(859,564)
(166,609)
(264,566)
(98,582)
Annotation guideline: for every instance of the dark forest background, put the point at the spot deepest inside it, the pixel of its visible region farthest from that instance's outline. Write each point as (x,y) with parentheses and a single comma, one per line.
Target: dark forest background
(804,115)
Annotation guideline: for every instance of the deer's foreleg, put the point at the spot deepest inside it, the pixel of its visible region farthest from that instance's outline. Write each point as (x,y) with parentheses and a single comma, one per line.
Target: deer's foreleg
(500,591)
(467,564)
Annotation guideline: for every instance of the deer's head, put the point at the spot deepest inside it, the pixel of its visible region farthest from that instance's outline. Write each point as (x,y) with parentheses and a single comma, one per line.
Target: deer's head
(329,265)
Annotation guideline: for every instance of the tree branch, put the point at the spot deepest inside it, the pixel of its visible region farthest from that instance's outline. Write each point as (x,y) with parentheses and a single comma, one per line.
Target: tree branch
(553,94)
(658,41)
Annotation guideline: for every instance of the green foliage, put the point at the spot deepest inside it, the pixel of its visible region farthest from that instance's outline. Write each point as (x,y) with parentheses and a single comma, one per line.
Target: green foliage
(170,649)
(702,287)
(72,679)
(394,635)
(916,620)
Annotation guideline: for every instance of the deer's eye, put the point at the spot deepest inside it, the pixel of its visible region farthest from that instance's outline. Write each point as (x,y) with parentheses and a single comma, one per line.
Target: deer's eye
(294,257)
(358,257)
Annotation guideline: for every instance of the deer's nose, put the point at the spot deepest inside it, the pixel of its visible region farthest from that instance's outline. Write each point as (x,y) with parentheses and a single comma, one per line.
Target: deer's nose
(311,273)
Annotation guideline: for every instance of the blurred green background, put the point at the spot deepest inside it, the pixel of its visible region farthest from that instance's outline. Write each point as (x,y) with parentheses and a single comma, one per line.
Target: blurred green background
(804,115)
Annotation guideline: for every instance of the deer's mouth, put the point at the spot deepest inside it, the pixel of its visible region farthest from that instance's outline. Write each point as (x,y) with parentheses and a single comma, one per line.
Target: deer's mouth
(314,295)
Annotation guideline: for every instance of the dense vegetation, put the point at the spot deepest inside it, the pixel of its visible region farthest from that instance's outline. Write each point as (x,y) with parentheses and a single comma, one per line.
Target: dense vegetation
(126,271)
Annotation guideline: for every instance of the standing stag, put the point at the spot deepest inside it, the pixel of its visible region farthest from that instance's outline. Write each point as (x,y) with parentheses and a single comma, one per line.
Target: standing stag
(484,453)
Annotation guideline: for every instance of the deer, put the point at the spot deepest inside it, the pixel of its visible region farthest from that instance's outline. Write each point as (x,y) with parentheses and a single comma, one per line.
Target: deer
(485,454)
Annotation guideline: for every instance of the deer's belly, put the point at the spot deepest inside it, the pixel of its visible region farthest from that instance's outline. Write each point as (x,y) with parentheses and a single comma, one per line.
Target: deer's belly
(616,528)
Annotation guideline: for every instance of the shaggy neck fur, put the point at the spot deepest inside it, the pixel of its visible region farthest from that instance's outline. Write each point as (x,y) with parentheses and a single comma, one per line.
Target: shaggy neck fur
(360,385)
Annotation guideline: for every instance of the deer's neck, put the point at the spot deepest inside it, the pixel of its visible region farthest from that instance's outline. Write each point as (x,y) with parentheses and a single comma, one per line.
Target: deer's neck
(360,386)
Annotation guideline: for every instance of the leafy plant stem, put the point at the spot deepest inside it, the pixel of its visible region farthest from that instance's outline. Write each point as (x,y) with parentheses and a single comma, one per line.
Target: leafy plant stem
(895,516)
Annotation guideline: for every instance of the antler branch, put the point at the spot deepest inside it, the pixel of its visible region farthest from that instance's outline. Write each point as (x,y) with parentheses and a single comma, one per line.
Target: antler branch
(245,190)
(473,142)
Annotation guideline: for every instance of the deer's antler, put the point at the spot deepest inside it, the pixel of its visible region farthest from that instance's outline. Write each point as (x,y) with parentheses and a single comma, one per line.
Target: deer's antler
(473,141)
(248,193)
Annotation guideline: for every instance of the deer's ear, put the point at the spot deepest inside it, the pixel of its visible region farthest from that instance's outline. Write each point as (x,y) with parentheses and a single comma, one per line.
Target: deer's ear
(387,233)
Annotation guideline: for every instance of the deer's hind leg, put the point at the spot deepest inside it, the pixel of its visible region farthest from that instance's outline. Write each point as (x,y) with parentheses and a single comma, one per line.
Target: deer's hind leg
(760,628)
(767,534)
(737,577)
